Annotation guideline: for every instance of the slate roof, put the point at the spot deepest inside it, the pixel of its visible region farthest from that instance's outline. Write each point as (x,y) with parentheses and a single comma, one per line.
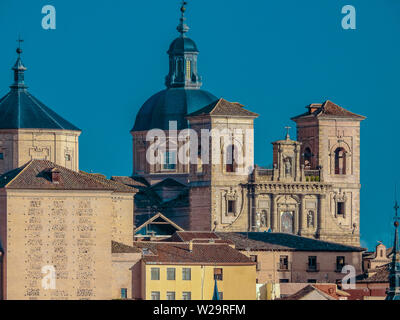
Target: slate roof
(327,109)
(179,253)
(36,175)
(171,105)
(21,110)
(223,107)
(265,241)
(117,247)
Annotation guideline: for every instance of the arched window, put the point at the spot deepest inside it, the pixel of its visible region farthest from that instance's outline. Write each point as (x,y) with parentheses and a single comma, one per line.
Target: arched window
(179,68)
(307,158)
(230,159)
(340,161)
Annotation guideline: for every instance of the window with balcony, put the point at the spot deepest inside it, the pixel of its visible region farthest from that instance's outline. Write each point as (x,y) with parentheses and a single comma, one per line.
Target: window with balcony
(218,275)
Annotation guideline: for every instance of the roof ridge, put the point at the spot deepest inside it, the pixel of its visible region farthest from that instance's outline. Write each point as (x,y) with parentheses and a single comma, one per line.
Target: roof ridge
(41,108)
(28,164)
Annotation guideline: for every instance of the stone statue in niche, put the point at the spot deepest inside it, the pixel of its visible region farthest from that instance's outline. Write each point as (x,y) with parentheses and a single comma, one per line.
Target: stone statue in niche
(263,220)
(258,220)
(288,167)
(310,219)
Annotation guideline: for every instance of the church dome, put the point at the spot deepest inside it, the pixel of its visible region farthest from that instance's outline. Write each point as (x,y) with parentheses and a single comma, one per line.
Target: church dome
(183,94)
(171,105)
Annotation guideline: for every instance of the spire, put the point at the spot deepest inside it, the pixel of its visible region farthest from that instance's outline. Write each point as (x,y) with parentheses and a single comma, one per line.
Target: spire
(19,70)
(393,292)
(182,27)
(288,132)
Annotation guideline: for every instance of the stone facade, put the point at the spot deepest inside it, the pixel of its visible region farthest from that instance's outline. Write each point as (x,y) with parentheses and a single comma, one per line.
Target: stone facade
(312,188)
(18,146)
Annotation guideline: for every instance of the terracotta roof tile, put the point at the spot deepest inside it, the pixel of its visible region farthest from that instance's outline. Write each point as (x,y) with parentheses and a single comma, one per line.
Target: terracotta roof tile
(328,108)
(132,182)
(179,253)
(117,247)
(36,174)
(222,107)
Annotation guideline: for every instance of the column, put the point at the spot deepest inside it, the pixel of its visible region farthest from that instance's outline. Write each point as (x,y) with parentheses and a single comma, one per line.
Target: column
(274,214)
(301,214)
(321,213)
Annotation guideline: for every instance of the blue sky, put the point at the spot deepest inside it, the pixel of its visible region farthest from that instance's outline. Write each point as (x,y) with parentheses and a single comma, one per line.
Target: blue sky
(107,57)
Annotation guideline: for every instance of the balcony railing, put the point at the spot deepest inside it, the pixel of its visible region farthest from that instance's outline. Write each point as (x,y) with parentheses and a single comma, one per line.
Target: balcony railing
(312,175)
(312,267)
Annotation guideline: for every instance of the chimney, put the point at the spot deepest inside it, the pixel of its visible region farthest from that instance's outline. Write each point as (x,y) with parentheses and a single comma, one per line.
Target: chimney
(55,175)
(191,245)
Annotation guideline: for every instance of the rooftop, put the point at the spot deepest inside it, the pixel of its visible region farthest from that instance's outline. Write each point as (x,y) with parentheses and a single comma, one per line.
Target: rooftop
(265,241)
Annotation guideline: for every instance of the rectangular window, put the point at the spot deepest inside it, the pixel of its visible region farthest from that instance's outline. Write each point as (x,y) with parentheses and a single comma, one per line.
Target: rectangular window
(155,273)
(231,206)
(312,281)
(171,295)
(283,280)
(340,263)
(312,265)
(221,295)
(340,208)
(155,295)
(170,160)
(188,70)
(171,274)
(284,263)
(68,157)
(186,296)
(218,274)
(124,293)
(1,155)
(186,274)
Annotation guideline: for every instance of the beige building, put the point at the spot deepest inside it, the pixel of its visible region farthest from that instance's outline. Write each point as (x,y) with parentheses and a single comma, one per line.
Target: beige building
(312,188)
(58,222)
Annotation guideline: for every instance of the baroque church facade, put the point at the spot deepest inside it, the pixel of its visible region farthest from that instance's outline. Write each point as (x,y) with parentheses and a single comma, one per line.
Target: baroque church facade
(312,189)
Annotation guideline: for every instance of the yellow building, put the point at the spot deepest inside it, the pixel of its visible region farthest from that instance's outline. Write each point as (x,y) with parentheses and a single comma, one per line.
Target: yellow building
(185,271)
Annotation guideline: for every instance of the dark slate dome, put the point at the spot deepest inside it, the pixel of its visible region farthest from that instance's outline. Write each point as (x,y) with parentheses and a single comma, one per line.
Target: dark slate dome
(181,45)
(20,110)
(171,105)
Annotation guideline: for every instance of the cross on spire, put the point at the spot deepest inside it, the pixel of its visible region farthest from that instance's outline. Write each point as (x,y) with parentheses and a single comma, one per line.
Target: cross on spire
(288,132)
(19,50)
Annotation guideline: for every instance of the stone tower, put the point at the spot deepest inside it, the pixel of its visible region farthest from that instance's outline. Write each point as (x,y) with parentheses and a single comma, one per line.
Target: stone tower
(29,130)
(330,142)
(218,200)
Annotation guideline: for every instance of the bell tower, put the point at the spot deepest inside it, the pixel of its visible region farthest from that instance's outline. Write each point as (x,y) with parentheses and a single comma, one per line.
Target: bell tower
(330,142)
